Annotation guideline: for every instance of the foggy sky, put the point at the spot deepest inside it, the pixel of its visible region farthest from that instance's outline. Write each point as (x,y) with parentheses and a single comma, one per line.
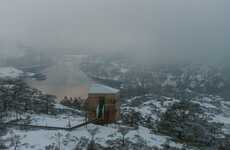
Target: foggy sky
(159,30)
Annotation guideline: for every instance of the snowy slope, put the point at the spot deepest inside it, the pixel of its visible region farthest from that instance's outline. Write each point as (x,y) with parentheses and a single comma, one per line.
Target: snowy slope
(39,139)
(10,72)
(106,136)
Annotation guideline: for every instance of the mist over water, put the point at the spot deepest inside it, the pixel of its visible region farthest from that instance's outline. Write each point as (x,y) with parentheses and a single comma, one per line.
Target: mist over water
(159,31)
(145,32)
(64,78)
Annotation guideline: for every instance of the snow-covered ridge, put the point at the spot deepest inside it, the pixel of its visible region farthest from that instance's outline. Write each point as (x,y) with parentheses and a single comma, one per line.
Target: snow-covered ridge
(10,72)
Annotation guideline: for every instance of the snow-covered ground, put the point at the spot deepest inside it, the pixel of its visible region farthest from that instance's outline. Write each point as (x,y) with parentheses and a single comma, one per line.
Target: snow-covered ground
(64,120)
(147,106)
(152,108)
(39,139)
(56,121)
(10,72)
(217,109)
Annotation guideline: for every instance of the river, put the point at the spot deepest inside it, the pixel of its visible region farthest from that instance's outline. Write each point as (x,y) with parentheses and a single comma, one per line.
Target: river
(64,78)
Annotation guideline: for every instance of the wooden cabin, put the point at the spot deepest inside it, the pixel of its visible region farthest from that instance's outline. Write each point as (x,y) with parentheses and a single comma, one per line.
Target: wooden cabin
(103,103)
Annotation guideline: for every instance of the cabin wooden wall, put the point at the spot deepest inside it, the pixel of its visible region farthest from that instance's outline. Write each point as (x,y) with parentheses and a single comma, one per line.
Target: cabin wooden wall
(112,107)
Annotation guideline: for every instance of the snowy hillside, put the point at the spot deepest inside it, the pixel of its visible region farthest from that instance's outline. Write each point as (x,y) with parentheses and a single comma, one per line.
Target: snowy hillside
(147,109)
(10,72)
(105,136)
(162,78)
(166,107)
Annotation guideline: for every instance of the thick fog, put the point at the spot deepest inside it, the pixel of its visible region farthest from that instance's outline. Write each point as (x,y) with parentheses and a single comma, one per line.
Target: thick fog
(159,30)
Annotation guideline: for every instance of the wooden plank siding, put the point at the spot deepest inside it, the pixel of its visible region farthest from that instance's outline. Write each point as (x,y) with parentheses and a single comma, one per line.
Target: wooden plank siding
(112,107)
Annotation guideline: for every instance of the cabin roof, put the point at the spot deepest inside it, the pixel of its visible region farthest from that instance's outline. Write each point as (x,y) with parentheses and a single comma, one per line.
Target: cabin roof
(102,89)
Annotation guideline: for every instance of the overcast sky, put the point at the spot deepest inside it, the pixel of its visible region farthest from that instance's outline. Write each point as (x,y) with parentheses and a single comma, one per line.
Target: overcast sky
(157,29)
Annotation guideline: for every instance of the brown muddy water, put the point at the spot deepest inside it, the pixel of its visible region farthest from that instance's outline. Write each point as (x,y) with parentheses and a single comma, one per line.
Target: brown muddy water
(64,78)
